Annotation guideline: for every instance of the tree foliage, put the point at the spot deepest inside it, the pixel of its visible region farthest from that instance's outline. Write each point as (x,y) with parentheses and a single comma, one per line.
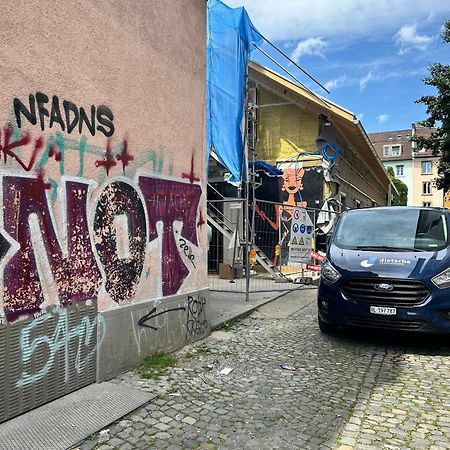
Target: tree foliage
(438,111)
(400,199)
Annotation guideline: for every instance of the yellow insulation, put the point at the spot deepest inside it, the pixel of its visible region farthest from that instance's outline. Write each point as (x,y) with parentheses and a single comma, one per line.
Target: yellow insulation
(284,130)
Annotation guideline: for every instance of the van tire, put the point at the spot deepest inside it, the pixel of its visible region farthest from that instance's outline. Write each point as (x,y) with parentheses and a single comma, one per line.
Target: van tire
(325,327)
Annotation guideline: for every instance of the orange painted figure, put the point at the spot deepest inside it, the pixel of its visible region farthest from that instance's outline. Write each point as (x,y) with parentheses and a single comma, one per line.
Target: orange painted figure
(292,183)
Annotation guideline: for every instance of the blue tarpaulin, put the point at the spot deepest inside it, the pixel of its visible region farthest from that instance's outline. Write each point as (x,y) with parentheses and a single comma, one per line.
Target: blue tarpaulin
(229,43)
(266,167)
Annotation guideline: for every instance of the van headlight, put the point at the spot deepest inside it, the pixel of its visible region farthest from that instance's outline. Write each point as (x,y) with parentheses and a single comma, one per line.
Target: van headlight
(330,274)
(442,280)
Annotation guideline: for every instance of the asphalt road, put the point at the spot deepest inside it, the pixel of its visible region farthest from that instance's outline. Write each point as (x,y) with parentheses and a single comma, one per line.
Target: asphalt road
(348,390)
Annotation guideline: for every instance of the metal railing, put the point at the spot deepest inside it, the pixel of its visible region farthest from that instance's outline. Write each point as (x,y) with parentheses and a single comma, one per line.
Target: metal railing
(271,269)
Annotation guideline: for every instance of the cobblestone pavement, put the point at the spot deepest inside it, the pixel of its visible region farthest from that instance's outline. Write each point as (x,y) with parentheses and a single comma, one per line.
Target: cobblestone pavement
(350,390)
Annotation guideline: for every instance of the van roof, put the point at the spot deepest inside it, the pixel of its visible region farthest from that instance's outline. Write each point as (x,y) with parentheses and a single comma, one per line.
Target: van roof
(392,208)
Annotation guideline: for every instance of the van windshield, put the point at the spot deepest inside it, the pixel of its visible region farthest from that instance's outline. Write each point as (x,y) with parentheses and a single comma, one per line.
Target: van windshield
(393,230)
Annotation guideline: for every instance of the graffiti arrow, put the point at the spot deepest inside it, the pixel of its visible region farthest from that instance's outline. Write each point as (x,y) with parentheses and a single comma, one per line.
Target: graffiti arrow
(151,315)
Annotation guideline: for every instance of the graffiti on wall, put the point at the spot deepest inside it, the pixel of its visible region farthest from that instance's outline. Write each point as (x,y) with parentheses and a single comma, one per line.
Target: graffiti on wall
(56,343)
(66,114)
(196,324)
(69,238)
(155,328)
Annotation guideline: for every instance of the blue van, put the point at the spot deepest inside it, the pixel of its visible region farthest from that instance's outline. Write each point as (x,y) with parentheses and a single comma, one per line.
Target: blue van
(388,268)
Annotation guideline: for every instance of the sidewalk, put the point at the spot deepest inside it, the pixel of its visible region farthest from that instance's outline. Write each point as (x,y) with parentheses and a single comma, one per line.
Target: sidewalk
(226,306)
(61,424)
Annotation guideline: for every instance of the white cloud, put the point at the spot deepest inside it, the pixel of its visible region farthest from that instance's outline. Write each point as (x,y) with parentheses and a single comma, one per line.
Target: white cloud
(344,19)
(364,80)
(408,38)
(310,46)
(336,83)
(382,118)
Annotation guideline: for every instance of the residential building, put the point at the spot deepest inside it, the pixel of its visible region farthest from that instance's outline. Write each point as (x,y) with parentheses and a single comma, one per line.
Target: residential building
(414,166)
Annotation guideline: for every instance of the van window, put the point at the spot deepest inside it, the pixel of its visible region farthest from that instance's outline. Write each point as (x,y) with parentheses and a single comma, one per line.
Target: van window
(408,229)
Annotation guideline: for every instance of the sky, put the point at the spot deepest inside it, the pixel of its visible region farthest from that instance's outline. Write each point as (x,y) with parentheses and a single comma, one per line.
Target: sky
(372,55)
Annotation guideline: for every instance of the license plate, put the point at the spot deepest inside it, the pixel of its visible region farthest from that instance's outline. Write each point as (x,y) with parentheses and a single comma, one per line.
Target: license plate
(384,311)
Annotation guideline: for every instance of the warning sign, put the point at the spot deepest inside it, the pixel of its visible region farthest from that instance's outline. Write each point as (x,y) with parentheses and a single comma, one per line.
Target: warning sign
(302,237)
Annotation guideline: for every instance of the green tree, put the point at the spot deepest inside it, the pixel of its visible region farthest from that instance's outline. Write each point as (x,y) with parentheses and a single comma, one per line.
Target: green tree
(438,111)
(400,199)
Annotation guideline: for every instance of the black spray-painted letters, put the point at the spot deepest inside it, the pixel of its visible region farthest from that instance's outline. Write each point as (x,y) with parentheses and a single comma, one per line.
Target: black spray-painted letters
(66,114)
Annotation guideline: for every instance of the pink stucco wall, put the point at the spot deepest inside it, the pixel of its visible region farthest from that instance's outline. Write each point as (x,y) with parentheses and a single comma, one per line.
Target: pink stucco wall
(118,218)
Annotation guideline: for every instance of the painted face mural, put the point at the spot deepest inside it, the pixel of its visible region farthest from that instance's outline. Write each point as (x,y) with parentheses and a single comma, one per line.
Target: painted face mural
(84,216)
(292,181)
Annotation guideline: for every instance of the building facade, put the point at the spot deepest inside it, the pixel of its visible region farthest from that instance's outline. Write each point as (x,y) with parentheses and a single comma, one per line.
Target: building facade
(324,142)
(102,232)
(415,167)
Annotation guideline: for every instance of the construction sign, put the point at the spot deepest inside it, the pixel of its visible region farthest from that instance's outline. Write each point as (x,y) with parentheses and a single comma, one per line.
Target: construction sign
(302,237)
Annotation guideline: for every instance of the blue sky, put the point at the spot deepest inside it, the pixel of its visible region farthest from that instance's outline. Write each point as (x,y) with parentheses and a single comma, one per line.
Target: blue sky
(371,54)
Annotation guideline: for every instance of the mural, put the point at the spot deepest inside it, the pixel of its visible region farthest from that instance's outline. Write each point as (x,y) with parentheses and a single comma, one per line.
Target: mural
(292,184)
(297,186)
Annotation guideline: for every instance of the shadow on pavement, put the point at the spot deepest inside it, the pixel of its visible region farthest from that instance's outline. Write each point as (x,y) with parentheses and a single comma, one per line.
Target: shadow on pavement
(421,344)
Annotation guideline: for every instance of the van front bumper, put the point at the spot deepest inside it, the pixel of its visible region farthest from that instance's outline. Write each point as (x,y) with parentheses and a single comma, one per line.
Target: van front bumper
(431,317)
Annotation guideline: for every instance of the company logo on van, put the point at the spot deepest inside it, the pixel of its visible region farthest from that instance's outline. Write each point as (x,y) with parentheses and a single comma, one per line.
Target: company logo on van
(369,262)
(383,287)
(385,261)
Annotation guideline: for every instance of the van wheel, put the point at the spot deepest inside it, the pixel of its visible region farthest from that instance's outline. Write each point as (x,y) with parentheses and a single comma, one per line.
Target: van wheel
(325,327)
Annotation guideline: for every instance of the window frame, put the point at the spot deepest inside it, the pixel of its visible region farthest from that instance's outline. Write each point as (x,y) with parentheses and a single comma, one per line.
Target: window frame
(394,152)
(424,184)
(430,165)
(397,174)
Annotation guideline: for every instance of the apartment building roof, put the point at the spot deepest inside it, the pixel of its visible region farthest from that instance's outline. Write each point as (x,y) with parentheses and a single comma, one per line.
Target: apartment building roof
(403,138)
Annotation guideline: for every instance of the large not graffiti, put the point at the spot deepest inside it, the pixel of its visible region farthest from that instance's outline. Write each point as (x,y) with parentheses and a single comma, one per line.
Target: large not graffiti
(72,238)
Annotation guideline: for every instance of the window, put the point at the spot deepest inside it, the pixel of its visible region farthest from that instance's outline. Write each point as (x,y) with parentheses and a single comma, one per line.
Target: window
(426,167)
(396,150)
(386,150)
(399,170)
(424,229)
(427,204)
(426,188)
